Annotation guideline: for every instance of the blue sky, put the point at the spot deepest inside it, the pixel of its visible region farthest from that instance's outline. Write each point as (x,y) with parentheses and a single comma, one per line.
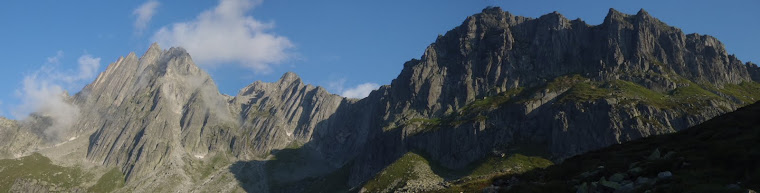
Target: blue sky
(349,47)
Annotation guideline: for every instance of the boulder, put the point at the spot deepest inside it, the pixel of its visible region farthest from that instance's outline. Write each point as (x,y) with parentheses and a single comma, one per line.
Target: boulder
(655,155)
(617,177)
(643,180)
(664,175)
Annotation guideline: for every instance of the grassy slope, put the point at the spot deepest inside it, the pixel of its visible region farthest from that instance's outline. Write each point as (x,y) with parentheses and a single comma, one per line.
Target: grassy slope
(682,97)
(398,173)
(479,176)
(293,160)
(110,181)
(40,168)
(201,169)
(690,97)
(705,158)
(474,111)
(407,168)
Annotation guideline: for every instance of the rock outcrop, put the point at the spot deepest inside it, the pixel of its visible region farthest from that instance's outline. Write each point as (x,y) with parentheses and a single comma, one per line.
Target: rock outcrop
(19,141)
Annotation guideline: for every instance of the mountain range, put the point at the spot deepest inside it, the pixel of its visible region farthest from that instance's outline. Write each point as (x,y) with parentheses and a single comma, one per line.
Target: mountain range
(498,95)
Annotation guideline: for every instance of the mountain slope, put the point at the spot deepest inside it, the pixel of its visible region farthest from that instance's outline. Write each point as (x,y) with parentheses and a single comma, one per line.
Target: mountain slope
(718,155)
(500,81)
(494,85)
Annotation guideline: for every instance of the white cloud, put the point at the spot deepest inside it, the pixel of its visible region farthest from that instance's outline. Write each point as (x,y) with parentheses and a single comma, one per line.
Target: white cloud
(46,98)
(88,66)
(360,91)
(144,14)
(336,85)
(227,34)
(44,93)
(55,59)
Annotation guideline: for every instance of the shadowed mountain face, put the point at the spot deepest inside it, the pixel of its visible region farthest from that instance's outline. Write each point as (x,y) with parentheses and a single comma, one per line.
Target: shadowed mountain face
(495,83)
(718,155)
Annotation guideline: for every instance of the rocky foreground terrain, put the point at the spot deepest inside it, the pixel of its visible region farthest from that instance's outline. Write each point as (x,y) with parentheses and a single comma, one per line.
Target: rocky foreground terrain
(498,95)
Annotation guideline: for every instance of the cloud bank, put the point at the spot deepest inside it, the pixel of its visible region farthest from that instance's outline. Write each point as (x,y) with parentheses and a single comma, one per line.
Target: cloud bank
(361,91)
(44,93)
(227,34)
(144,14)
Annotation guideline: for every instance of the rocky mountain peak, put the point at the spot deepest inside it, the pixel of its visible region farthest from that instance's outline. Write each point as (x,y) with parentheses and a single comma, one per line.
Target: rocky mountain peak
(615,16)
(637,21)
(154,49)
(753,70)
(178,61)
(643,13)
(555,21)
(135,73)
(289,78)
(492,10)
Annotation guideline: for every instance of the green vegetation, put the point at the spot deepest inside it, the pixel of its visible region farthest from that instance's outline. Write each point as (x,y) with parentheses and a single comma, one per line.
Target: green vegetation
(585,91)
(297,169)
(110,181)
(479,174)
(39,168)
(516,163)
(173,182)
(633,91)
(200,169)
(289,161)
(416,166)
(490,102)
(691,96)
(216,162)
(691,92)
(426,124)
(564,82)
(286,161)
(331,183)
(476,185)
(474,111)
(398,173)
(627,91)
(289,153)
(747,92)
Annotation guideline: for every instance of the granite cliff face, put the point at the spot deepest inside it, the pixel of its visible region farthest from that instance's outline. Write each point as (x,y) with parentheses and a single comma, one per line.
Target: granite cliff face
(500,81)
(140,110)
(155,115)
(495,83)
